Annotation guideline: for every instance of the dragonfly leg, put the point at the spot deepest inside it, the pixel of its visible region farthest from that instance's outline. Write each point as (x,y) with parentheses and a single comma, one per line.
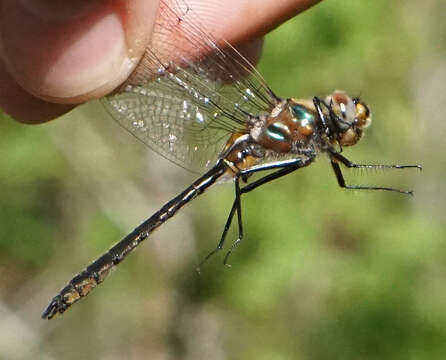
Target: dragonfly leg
(238,206)
(284,167)
(336,158)
(288,167)
(226,228)
(318,106)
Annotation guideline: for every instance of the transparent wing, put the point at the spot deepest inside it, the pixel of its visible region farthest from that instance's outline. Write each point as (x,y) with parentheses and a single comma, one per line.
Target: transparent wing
(188,96)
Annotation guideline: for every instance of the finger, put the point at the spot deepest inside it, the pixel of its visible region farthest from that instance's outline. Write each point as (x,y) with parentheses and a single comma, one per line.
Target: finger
(243,23)
(84,51)
(69,52)
(24,107)
(241,20)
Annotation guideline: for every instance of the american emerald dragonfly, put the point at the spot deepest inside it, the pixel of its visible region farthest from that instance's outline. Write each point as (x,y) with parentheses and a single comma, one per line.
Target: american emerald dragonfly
(199,103)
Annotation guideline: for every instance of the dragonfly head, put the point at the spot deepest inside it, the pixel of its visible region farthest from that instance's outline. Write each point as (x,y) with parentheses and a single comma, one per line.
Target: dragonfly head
(349,116)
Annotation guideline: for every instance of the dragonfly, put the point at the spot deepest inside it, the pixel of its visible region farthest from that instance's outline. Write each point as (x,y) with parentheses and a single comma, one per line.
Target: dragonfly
(200,103)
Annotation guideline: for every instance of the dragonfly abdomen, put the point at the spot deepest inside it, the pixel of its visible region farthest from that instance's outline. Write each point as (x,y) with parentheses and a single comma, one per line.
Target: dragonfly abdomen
(84,282)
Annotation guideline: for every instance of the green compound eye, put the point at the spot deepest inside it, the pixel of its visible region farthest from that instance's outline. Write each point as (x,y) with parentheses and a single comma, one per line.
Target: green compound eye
(302,115)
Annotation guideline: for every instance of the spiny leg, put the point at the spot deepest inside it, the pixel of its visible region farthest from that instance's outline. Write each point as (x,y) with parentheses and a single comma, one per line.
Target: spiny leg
(290,167)
(237,203)
(335,157)
(317,105)
(284,167)
(225,231)
(328,124)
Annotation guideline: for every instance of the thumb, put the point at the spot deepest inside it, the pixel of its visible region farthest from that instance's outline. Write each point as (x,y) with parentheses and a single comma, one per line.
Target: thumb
(69,52)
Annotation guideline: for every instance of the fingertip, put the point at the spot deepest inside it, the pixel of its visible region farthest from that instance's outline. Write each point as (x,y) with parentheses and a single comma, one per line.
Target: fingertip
(24,107)
(70,54)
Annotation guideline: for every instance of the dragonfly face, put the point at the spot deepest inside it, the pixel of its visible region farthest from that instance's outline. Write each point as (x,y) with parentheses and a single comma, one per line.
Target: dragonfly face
(348,118)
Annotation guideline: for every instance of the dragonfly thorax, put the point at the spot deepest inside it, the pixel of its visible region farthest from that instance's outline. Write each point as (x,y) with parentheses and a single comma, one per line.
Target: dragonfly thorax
(289,123)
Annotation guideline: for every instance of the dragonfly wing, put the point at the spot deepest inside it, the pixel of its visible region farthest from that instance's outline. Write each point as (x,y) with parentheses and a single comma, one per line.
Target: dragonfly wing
(189,94)
(179,129)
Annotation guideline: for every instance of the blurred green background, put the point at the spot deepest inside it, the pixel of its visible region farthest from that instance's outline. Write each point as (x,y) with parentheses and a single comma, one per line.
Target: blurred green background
(322,273)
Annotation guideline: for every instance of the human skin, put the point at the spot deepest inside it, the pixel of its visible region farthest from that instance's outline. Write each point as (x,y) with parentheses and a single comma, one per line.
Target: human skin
(56,54)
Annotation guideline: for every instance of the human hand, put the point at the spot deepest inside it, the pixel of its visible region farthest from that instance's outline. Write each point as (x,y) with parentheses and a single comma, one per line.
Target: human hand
(55,55)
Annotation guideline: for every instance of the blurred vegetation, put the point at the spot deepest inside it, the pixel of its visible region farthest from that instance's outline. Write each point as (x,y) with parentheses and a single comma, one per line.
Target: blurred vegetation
(322,273)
